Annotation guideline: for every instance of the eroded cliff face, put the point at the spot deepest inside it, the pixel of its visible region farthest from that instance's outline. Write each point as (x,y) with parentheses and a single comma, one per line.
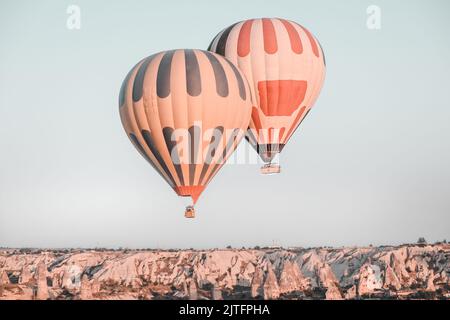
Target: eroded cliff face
(408,271)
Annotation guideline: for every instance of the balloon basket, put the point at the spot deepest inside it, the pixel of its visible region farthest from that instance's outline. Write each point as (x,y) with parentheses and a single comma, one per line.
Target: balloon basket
(270,168)
(190,212)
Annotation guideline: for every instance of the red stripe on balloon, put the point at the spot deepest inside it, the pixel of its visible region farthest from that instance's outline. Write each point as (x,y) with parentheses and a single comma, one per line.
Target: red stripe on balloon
(314,46)
(281,133)
(244,38)
(281,97)
(256,119)
(294,37)
(270,38)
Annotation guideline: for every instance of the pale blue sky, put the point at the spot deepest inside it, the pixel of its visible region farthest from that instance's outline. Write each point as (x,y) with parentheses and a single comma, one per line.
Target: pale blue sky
(369,165)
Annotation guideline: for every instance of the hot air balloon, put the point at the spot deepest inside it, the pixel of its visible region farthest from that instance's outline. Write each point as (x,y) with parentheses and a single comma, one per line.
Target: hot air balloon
(285,65)
(185,111)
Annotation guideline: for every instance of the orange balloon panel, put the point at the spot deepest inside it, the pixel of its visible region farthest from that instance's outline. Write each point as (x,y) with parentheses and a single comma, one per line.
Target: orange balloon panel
(286,67)
(185,111)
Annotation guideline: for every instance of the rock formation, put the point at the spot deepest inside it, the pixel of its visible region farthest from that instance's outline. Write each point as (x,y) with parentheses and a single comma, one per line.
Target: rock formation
(25,276)
(41,279)
(193,293)
(95,287)
(291,278)
(216,293)
(408,271)
(329,282)
(257,289)
(85,288)
(369,279)
(351,293)
(391,280)
(271,288)
(4,279)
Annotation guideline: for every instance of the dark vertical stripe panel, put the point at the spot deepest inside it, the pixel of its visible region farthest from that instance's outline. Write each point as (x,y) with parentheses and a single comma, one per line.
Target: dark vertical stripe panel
(215,140)
(227,149)
(193,78)
(136,143)
(239,79)
(194,143)
(219,74)
(138,85)
(124,86)
(222,43)
(250,136)
(163,77)
(211,43)
(172,147)
(151,145)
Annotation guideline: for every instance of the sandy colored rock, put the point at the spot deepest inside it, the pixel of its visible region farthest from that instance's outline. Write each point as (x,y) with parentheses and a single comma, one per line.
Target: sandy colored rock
(401,272)
(57,280)
(193,293)
(185,289)
(351,293)
(71,278)
(291,278)
(257,289)
(4,279)
(41,278)
(95,286)
(216,293)
(430,282)
(271,288)
(329,282)
(85,288)
(333,293)
(391,280)
(2,282)
(25,275)
(370,279)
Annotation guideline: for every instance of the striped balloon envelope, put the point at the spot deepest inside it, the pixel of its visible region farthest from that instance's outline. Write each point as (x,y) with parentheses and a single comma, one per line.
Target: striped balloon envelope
(285,65)
(185,111)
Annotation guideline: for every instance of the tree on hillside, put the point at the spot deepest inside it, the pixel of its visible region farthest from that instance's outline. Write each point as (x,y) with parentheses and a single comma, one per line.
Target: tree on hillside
(422,240)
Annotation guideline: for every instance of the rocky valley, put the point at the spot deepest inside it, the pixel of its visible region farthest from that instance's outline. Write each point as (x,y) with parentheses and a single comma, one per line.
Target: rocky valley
(417,271)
